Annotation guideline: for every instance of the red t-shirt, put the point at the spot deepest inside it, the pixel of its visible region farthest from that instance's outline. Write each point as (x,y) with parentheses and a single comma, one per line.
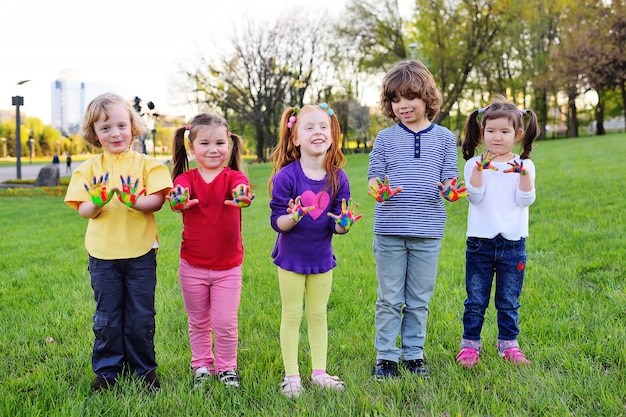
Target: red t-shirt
(211,229)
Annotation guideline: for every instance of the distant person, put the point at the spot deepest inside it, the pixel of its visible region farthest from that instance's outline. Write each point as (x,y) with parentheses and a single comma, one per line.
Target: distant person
(210,198)
(121,240)
(55,159)
(68,164)
(501,187)
(410,163)
(310,203)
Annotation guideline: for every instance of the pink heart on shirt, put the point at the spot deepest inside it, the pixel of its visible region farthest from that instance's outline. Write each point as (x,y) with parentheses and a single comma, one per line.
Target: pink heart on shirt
(319,201)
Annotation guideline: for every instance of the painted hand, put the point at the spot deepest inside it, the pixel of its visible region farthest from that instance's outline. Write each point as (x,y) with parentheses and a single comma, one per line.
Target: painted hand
(516,167)
(347,216)
(382,191)
(128,195)
(485,161)
(98,190)
(241,196)
(179,199)
(296,210)
(453,191)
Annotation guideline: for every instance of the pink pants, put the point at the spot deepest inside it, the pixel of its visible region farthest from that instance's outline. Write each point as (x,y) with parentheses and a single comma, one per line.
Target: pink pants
(211,300)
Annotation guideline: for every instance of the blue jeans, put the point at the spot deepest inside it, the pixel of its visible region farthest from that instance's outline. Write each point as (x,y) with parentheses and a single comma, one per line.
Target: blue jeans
(484,258)
(123,324)
(406,268)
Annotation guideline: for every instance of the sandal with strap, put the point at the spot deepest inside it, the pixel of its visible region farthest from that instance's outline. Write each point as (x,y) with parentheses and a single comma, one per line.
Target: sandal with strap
(292,386)
(468,357)
(515,356)
(327,381)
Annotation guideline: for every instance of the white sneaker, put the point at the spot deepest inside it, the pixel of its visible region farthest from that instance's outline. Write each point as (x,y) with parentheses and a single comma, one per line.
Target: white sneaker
(201,376)
(229,378)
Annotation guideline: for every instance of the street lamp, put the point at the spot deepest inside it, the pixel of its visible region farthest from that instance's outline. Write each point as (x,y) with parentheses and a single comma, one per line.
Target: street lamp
(30,144)
(18,101)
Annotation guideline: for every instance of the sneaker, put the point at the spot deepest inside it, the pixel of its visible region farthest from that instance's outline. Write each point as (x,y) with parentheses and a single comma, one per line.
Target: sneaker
(201,376)
(416,366)
(468,357)
(515,356)
(292,386)
(102,384)
(326,381)
(385,369)
(229,378)
(151,379)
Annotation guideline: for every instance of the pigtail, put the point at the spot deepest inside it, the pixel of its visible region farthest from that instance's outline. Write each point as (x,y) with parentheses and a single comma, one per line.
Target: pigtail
(235,163)
(472,135)
(530,134)
(285,151)
(179,156)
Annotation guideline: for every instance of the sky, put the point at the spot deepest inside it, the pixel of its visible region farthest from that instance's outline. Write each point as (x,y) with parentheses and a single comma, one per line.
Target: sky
(135,46)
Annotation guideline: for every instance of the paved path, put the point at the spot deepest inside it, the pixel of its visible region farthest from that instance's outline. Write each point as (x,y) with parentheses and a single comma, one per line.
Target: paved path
(29,172)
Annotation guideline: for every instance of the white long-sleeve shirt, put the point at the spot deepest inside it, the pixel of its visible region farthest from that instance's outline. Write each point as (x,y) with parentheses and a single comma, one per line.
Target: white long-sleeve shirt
(499,206)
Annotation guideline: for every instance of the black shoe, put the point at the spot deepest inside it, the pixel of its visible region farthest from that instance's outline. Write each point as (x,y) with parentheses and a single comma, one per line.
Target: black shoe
(416,366)
(385,369)
(151,379)
(102,384)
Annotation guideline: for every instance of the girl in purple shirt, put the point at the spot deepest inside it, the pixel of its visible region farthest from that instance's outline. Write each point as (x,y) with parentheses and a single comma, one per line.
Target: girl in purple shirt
(307,187)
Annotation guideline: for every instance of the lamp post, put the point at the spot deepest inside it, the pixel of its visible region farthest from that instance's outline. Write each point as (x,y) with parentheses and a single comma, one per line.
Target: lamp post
(17,102)
(30,145)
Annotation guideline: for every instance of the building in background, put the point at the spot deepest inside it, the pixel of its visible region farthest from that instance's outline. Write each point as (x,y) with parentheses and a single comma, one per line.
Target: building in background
(70,96)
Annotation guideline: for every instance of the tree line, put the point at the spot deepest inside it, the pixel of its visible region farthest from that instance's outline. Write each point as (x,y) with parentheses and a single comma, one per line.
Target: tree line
(545,55)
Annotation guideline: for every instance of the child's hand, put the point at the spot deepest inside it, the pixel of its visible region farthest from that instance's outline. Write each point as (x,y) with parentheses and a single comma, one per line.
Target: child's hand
(241,196)
(453,192)
(485,161)
(98,190)
(347,216)
(516,167)
(382,191)
(128,195)
(179,199)
(296,210)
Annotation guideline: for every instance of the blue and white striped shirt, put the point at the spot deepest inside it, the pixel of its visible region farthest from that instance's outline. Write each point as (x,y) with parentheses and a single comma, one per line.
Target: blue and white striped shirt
(416,161)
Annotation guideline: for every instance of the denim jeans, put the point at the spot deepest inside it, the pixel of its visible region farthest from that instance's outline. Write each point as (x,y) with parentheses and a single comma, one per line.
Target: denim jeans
(406,268)
(484,258)
(123,324)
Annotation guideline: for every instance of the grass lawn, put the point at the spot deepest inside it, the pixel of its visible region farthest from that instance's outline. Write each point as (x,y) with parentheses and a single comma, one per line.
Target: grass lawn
(572,317)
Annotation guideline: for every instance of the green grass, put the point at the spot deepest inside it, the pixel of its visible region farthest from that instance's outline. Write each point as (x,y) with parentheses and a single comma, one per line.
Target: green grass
(572,317)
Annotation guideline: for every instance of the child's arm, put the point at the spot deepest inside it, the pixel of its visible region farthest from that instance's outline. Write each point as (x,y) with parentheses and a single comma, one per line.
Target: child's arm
(150,203)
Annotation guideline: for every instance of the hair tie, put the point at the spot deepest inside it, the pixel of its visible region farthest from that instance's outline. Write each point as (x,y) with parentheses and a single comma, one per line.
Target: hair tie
(229,133)
(522,113)
(328,109)
(482,110)
(292,119)
(188,127)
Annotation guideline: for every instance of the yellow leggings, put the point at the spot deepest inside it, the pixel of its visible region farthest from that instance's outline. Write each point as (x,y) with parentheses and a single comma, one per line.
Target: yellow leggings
(293,288)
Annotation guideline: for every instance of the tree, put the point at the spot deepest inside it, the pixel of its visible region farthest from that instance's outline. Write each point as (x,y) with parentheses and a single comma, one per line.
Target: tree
(270,68)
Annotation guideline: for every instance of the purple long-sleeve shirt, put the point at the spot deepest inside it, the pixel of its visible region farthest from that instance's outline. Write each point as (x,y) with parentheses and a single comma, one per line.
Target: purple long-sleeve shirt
(307,247)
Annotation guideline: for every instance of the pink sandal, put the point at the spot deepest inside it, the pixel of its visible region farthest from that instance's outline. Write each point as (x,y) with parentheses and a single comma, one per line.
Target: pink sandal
(468,357)
(515,356)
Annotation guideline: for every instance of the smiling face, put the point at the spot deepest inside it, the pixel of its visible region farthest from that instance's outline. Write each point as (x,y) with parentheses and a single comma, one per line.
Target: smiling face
(114,130)
(411,112)
(500,135)
(313,134)
(210,146)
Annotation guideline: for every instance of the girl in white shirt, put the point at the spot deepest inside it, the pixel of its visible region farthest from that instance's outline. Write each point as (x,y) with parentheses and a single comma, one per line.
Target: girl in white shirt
(501,187)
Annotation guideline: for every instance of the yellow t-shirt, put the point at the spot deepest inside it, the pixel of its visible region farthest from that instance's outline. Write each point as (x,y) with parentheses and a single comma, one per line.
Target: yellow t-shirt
(119,232)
